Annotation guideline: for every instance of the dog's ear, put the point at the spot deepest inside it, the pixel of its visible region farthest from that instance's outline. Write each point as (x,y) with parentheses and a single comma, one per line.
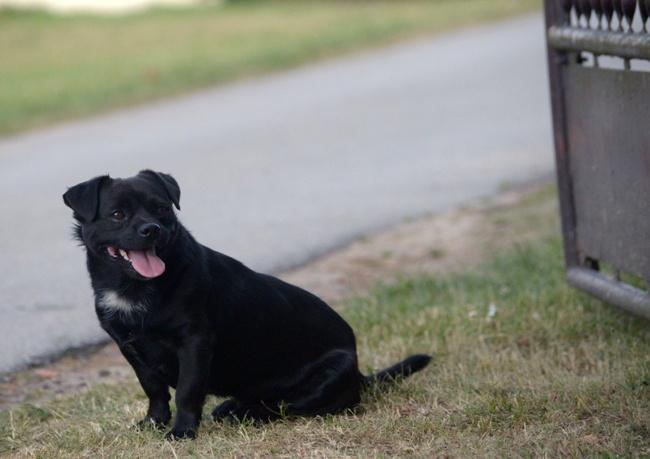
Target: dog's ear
(167,181)
(83,198)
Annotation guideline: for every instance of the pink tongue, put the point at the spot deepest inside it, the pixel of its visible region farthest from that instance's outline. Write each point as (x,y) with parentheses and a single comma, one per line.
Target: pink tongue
(146,263)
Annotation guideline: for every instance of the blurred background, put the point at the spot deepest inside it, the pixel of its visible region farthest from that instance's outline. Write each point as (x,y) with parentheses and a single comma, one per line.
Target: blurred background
(71,64)
(293,127)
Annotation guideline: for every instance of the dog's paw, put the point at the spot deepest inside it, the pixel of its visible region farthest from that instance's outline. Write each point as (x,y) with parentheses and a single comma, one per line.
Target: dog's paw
(177,435)
(149,423)
(233,412)
(224,410)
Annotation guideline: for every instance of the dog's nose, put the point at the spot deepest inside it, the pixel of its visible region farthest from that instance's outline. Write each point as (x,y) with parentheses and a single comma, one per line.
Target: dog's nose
(149,230)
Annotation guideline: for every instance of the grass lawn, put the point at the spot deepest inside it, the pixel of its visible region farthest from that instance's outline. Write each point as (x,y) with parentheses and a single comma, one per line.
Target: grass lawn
(60,67)
(524,366)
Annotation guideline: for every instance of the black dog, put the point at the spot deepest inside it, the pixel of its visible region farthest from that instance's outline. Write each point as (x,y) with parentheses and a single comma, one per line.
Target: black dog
(191,318)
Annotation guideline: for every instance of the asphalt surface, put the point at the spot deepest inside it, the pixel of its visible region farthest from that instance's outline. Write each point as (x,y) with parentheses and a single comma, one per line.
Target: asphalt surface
(277,170)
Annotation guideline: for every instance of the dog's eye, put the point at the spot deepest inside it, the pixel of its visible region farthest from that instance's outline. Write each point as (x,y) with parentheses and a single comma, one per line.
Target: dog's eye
(118,215)
(162,211)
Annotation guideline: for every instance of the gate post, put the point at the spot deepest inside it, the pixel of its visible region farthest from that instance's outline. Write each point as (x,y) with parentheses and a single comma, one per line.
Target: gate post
(599,72)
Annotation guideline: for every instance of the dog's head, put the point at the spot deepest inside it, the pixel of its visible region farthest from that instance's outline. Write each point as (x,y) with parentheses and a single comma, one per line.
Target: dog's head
(127,222)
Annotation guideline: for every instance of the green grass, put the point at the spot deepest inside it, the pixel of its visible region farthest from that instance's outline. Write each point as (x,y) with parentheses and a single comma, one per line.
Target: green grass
(60,67)
(552,372)
(524,366)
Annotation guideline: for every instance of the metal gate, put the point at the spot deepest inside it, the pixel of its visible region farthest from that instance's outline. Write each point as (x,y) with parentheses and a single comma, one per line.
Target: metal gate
(599,66)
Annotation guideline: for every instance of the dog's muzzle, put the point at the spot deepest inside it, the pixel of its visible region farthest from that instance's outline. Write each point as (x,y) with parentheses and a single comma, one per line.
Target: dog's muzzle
(144,261)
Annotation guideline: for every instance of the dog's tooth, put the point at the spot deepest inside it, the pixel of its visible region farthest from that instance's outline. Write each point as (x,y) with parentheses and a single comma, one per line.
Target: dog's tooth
(124,255)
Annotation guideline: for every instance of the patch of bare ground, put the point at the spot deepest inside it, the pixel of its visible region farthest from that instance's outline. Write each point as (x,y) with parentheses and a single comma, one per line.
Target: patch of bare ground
(436,244)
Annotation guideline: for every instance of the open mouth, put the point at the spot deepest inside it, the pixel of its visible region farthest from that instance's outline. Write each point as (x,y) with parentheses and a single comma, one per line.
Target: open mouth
(145,262)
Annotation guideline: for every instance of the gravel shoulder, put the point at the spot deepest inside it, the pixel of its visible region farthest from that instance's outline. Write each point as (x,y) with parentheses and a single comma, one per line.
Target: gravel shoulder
(434,245)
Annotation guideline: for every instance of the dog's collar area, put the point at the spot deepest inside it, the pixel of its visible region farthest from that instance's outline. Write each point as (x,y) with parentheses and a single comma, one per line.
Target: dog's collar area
(112,302)
(144,261)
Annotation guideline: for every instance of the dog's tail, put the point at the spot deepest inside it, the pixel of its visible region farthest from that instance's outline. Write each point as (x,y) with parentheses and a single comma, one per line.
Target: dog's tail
(400,370)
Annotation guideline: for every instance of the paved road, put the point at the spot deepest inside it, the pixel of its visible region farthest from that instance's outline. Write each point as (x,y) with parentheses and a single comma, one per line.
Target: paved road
(279,169)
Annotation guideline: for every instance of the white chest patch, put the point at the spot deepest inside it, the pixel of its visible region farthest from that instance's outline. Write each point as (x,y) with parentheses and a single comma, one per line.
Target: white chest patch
(113,303)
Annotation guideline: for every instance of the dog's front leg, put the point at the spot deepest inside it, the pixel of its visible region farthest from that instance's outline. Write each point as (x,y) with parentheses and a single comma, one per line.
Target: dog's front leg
(194,364)
(157,391)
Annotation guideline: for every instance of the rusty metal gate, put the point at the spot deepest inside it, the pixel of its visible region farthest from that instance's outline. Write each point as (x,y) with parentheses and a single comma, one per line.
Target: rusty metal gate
(599,66)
